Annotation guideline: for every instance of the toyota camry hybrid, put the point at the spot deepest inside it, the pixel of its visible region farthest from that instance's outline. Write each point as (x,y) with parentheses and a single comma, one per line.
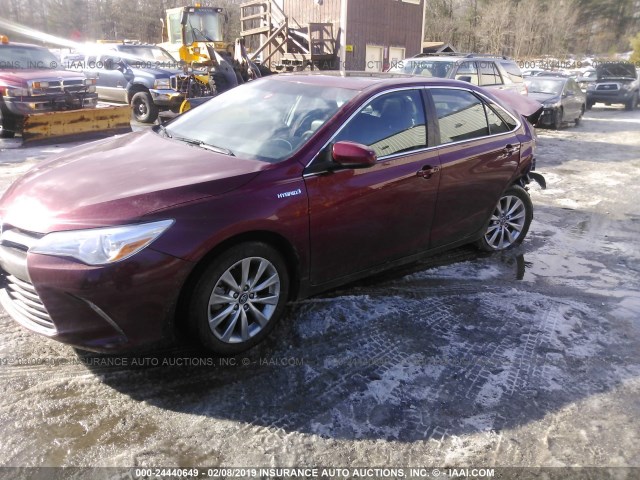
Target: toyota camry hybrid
(273,191)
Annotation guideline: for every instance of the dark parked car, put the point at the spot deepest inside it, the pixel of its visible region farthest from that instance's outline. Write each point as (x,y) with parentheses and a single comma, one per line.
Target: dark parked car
(275,190)
(561,97)
(484,70)
(616,83)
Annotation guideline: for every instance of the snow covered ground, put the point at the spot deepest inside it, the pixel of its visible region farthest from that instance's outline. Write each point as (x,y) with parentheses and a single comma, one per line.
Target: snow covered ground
(526,358)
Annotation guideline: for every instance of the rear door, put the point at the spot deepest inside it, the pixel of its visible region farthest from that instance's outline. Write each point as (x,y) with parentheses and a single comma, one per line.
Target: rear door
(479,152)
(360,218)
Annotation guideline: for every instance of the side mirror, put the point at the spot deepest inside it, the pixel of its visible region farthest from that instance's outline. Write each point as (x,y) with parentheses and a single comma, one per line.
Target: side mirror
(465,78)
(353,155)
(121,66)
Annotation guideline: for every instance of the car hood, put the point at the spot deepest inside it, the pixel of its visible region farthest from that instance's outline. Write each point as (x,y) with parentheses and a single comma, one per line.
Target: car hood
(523,105)
(19,76)
(153,72)
(118,180)
(616,71)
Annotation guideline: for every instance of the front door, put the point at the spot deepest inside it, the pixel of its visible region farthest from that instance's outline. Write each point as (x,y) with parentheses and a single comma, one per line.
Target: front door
(112,82)
(360,218)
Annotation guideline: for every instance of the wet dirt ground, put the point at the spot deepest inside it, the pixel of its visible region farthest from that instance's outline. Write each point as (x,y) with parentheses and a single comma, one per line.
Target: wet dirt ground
(527,358)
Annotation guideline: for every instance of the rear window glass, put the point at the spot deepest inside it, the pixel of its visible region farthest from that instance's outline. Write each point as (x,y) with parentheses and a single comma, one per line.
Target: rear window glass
(512,69)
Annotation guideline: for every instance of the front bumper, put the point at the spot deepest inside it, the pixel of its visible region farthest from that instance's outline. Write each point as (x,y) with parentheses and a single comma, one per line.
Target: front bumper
(167,98)
(106,308)
(22,106)
(619,96)
(547,117)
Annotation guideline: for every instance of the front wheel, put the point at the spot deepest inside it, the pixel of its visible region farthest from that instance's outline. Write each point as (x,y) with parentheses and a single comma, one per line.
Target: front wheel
(633,101)
(5,124)
(557,119)
(239,298)
(589,105)
(509,221)
(144,110)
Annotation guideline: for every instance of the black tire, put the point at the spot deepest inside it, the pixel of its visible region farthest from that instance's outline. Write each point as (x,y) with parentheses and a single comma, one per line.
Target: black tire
(631,104)
(233,309)
(6,127)
(558,118)
(579,119)
(144,110)
(589,104)
(499,223)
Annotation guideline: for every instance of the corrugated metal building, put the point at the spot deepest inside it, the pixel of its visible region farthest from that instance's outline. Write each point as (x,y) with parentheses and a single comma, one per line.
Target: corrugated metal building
(364,34)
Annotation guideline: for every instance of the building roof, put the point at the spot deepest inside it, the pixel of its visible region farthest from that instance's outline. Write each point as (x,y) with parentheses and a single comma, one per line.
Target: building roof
(437,47)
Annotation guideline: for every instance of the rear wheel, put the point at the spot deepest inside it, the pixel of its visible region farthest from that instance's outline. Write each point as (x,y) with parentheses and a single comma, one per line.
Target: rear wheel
(580,116)
(509,221)
(144,110)
(239,298)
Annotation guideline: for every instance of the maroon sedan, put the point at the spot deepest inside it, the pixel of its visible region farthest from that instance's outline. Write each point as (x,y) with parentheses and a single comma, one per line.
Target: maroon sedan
(275,190)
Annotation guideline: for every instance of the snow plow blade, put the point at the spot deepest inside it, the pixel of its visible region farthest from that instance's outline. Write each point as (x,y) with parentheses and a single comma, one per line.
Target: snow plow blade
(72,125)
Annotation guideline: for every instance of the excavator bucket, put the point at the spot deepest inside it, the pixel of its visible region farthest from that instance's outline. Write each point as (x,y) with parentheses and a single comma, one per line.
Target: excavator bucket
(72,125)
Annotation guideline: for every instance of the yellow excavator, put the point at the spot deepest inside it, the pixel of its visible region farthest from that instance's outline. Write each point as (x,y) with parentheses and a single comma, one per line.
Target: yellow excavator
(195,35)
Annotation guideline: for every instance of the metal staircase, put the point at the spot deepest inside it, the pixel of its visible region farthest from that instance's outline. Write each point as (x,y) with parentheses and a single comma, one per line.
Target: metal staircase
(281,43)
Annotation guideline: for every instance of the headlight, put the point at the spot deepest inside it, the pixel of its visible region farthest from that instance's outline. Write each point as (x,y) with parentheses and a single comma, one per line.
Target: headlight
(591,86)
(101,246)
(162,84)
(38,88)
(16,92)
(90,81)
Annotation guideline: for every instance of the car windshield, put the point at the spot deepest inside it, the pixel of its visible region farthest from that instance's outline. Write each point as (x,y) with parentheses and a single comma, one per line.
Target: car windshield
(265,120)
(551,86)
(155,54)
(424,67)
(17,57)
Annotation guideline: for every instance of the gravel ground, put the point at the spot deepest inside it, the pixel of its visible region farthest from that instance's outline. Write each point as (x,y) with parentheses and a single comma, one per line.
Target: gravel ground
(526,358)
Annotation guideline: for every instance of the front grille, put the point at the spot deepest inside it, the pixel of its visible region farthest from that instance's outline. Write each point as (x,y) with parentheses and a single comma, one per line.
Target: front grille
(65,86)
(18,296)
(27,304)
(609,87)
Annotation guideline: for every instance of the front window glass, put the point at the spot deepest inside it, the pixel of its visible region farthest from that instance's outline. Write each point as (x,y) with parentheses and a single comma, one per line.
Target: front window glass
(267,119)
(21,58)
(392,123)
(203,26)
(461,115)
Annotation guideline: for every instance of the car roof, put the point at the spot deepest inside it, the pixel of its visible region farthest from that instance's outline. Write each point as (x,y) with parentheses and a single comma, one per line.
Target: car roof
(23,45)
(461,57)
(363,80)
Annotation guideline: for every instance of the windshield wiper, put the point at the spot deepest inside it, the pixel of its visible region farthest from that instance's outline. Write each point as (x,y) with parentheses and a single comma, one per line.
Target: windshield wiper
(206,146)
(164,131)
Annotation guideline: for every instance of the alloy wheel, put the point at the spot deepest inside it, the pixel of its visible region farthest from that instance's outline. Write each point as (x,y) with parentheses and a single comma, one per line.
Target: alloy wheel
(244,299)
(506,223)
